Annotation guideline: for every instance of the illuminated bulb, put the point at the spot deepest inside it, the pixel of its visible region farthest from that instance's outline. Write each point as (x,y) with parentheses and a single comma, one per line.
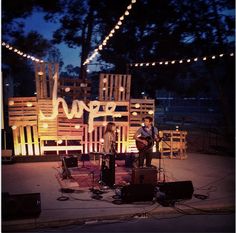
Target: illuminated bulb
(83,84)
(67,89)
(100,47)
(40,73)
(104,80)
(204,58)
(153,64)
(15,50)
(59,141)
(42,61)
(119,23)
(88,70)
(232,54)
(166,63)
(195,59)
(181,61)
(177,128)
(188,60)
(103,88)
(77,126)
(35,93)
(117,27)
(104,43)
(29,104)
(126,13)
(10,48)
(147,64)
(129,7)
(24,55)
(142,124)
(133,1)
(7,46)
(141,64)
(221,55)
(104,123)
(122,17)
(173,62)
(117,130)
(134,113)
(32,58)
(160,62)
(122,89)
(137,105)
(18,52)
(136,64)
(45,125)
(14,127)
(3,43)
(112,31)
(213,57)
(37,60)
(150,112)
(11,102)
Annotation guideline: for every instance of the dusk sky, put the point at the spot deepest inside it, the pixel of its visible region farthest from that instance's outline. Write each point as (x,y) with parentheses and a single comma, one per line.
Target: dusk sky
(36,22)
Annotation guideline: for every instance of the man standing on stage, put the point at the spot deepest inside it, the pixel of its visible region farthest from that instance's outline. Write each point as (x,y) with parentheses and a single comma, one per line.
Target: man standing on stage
(145,138)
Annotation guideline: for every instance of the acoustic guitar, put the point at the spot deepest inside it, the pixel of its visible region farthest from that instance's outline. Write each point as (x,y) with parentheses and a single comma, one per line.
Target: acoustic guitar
(150,143)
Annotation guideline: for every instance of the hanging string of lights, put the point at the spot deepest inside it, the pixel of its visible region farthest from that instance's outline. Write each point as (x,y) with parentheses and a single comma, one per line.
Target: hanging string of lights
(181,61)
(20,53)
(112,32)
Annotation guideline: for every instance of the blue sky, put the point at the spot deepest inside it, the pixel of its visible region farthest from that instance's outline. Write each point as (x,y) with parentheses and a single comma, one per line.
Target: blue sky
(37,23)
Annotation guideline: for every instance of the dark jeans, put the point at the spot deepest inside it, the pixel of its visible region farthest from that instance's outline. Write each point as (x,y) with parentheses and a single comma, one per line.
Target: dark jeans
(145,154)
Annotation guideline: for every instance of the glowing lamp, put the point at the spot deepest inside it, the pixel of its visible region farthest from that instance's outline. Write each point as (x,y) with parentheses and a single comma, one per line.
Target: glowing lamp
(137,105)
(221,55)
(213,57)
(177,128)
(150,112)
(181,61)
(3,43)
(10,48)
(195,59)
(45,125)
(141,64)
(153,64)
(166,63)
(14,127)
(103,88)
(161,63)
(77,126)
(11,102)
(188,60)
(59,141)
(104,80)
(67,89)
(119,23)
(147,64)
(15,50)
(204,58)
(232,54)
(40,73)
(29,104)
(127,13)
(173,62)
(122,17)
(7,46)
(122,89)
(101,140)
(133,1)
(129,7)
(134,113)
(117,27)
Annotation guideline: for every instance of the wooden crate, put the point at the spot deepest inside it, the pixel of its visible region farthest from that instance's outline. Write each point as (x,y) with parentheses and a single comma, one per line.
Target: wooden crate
(74,88)
(139,108)
(26,140)
(22,111)
(44,73)
(174,144)
(114,87)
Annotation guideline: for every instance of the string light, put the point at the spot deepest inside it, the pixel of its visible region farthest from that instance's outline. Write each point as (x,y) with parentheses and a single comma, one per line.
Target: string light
(20,53)
(111,33)
(188,60)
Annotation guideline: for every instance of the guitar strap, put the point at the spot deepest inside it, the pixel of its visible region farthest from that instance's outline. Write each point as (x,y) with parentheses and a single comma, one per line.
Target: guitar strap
(153,133)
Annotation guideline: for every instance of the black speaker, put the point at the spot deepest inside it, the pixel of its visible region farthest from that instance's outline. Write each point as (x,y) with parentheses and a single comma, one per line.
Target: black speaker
(144,175)
(70,161)
(137,192)
(20,206)
(176,190)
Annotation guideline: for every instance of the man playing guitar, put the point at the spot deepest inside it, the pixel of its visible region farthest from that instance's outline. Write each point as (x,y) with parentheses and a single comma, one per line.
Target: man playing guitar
(145,137)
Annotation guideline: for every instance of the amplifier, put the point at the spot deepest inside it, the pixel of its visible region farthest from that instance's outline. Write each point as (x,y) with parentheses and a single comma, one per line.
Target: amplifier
(70,161)
(146,175)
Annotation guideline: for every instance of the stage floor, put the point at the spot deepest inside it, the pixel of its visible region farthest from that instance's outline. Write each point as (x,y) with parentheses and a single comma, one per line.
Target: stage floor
(211,175)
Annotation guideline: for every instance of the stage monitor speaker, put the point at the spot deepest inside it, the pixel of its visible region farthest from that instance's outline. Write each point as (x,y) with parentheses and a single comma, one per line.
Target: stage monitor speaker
(137,192)
(144,176)
(19,206)
(180,190)
(70,161)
